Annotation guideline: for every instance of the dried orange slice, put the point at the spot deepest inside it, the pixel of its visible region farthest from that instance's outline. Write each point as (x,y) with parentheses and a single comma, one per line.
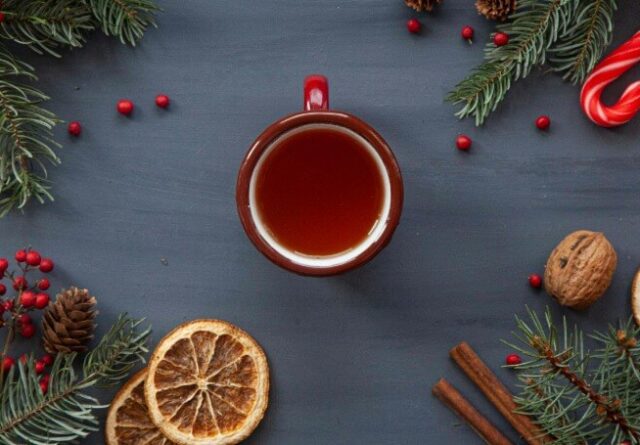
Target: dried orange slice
(208,384)
(128,421)
(635,297)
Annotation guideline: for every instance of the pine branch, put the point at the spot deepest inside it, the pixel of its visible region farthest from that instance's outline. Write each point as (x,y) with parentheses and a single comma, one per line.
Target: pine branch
(569,397)
(532,30)
(46,25)
(582,45)
(125,19)
(65,413)
(25,137)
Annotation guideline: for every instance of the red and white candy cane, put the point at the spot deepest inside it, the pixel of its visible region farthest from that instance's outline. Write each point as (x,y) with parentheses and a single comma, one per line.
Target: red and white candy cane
(612,67)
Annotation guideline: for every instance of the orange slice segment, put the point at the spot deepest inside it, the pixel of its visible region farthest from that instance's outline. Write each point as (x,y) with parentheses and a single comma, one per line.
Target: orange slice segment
(128,421)
(208,384)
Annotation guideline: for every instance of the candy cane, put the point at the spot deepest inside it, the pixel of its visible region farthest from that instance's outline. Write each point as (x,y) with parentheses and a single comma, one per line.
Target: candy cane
(609,69)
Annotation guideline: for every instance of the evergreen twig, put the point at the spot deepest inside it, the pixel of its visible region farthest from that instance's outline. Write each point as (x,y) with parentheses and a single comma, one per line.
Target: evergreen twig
(575,396)
(65,413)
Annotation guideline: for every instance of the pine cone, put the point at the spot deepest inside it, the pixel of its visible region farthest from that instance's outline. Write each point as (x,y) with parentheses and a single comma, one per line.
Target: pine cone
(69,323)
(422,5)
(496,9)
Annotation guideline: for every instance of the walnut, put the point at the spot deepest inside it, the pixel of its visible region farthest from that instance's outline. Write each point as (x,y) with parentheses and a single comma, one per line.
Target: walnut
(580,268)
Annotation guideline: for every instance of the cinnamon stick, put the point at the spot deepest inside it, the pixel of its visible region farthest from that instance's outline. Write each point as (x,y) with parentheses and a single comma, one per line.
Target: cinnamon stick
(448,395)
(497,393)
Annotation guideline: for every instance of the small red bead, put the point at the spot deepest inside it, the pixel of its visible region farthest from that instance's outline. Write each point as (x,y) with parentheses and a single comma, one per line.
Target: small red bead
(44,387)
(500,39)
(42,300)
(44,284)
(162,100)
(543,122)
(20,283)
(4,265)
(8,363)
(8,305)
(463,142)
(74,128)
(40,367)
(125,107)
(28,299)
(46,265)
(414,26)
(535,281)
(24,319)
(47,359)
(21,256)
(28,330)
(513,359)
(3,289)
(33,258)
(467,32)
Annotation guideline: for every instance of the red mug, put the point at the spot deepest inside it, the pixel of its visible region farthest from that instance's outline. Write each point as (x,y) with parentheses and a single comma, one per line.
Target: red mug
(319,192)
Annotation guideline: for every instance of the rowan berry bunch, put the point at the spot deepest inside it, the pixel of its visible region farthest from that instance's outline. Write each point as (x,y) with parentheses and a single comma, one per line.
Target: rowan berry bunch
(29,284)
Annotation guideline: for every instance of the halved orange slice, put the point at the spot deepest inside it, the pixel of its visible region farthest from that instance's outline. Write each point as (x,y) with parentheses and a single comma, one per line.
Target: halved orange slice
(128,421)
(208,384)
(635,297)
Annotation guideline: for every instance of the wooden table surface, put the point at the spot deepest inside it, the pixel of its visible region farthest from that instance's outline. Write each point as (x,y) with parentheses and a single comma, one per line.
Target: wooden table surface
(145,214)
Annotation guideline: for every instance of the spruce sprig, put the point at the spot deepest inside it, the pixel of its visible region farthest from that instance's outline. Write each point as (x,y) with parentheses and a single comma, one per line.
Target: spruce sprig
(582,45)
(66,412)
(577,396)
(25,137)
(532,30)
(47,27)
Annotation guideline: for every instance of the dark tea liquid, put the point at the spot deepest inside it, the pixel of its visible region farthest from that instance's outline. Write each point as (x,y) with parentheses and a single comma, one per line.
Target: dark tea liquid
(319,192)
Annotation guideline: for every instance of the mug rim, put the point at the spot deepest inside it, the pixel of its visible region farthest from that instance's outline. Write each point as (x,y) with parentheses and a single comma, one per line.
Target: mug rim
(290,122)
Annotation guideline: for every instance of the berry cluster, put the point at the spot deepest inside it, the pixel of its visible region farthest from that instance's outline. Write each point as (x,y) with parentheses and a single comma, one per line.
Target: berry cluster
(40,366)
(29,294)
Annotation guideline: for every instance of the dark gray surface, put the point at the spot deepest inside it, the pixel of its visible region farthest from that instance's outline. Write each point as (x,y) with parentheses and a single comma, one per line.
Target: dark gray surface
(353,357)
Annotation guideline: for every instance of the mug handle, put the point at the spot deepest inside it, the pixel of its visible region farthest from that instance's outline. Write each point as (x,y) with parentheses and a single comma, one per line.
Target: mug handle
(316,93)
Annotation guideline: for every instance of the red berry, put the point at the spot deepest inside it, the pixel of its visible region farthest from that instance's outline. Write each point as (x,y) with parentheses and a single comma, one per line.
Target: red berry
(27,299)
(46,265)
(20,283)
(463,142)
(7,305)
(24,319)
(4,265)
(44,387)
(3,289)
(543,122)
(23,359)
(500,39)
(33,258)
(8,363)
(42,300)
(414,26)
(1,309)
(28,330)
(44,284)
(45,378)
(21,256)
(162,100)
(40,366)
(74,128)
(513,359)
(467,32)
(125,107)
(535,280)
(47,359)
(1,17)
